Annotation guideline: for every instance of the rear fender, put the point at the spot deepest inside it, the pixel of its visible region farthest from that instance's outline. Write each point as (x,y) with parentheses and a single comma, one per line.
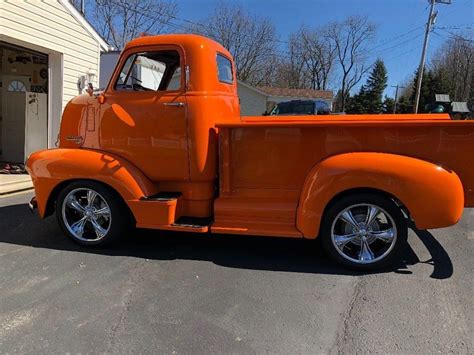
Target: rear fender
(50,168)
(433,196)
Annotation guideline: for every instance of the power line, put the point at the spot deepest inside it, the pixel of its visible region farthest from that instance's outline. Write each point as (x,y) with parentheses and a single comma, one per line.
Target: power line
(182,27)
(394,38)
(402,54)
(456,35)
(285,53)
(146,13)
(281,52)
(460,27)
(399,44)
(151,17)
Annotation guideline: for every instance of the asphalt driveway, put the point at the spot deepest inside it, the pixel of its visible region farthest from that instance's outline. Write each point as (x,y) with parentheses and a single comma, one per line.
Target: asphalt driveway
(157,292)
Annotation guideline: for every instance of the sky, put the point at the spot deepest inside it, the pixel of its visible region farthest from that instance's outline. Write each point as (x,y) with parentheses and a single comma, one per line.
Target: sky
(400,24)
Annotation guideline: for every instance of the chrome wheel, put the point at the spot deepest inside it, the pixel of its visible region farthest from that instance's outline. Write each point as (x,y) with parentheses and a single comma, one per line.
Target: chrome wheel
(364,233)
(86,215)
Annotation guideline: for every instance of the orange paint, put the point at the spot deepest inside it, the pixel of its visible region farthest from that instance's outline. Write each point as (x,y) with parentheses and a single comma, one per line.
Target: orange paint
(252,175)
(123,115)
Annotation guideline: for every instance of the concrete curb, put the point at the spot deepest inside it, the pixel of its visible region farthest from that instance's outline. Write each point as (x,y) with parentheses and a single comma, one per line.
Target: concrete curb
(10,187)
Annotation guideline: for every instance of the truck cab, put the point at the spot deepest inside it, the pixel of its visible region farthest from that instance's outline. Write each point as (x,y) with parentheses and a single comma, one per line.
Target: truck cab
(165,147)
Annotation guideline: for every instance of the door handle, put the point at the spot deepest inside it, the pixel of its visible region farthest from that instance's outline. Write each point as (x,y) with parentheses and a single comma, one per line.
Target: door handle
(177,104)
(75,139)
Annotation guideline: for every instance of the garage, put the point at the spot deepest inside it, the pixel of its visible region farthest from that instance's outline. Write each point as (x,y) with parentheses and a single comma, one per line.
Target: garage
(49,54)
(23,102)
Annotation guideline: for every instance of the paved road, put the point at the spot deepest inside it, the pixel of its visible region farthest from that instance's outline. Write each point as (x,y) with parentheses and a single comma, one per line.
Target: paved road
(174,293)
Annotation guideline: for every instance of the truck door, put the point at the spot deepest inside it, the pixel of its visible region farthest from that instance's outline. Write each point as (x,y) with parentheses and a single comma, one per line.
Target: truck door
(144,113)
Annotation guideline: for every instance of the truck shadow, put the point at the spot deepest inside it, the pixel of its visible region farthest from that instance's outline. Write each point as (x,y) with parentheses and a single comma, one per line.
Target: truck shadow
(18,226)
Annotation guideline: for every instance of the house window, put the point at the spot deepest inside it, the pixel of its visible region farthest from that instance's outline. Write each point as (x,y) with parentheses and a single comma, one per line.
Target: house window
(224,69)
(151,71)
(16,86)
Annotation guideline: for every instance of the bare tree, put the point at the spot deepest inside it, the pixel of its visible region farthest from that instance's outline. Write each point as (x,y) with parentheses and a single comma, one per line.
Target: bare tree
(308,63)
(119,21)
(290,70)
(349,39)
(319,54)
(250,40)
(456,59)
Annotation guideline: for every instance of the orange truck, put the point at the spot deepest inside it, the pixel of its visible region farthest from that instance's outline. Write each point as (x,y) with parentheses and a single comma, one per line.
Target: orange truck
(165,147)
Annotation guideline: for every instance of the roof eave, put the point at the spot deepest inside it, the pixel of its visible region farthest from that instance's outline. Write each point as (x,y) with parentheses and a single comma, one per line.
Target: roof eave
(243,83)
(104,46)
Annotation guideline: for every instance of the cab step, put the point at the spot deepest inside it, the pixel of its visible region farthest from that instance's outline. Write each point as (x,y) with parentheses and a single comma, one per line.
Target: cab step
(160,209)
(162,196)
(193,222)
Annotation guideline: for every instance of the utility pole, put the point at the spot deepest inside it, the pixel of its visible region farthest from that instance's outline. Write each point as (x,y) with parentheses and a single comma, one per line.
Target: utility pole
(429,23)
(396,96)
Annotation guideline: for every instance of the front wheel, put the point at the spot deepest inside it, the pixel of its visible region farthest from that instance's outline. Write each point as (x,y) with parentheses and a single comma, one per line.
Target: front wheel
(90,214)
(364,231)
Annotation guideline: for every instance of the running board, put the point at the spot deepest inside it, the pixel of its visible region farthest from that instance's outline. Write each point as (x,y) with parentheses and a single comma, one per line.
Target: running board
(193,222)
(162,196)
(187,224)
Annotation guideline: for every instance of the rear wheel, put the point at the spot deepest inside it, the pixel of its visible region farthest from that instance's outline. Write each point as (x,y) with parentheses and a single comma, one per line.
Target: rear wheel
(90,214)
(364,231)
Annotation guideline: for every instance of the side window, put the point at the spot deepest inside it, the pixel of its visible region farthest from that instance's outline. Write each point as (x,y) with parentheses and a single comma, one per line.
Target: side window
(284,108)
(175,82)
(224,69)
(151,71)
(306,108)
(322,108)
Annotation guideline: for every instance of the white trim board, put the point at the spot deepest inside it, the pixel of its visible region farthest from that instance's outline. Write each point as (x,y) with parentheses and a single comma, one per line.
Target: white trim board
(77,15)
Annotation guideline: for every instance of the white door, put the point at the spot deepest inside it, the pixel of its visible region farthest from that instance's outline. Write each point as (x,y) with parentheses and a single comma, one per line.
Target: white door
(14,88)
(36,126)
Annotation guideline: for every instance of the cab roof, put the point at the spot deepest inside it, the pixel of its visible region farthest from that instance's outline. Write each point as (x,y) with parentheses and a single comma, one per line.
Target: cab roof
(187,41)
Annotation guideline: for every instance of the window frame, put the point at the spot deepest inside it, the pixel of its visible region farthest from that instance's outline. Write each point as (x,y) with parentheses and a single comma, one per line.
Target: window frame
(111,88)
(16,81)
(228,82)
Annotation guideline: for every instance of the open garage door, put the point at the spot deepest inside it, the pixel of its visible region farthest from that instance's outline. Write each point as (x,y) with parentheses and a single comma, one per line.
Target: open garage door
(24,102)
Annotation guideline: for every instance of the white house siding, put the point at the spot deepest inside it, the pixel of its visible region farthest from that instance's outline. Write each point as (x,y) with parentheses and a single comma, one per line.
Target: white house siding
(252,103)
(47,26)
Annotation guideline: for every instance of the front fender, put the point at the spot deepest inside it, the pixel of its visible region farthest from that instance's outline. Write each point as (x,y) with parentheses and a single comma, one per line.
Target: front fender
(433,195)
(49,168)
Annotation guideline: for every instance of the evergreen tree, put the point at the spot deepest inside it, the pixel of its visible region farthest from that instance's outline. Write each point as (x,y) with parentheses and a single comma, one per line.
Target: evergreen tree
(404,105)
(357,104)
(388,105)
(441,84)
(369,98)
(433,83)
(376,84)
(337,104)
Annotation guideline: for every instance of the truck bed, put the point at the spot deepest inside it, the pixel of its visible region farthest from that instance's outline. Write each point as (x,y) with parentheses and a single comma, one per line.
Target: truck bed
(268,158)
